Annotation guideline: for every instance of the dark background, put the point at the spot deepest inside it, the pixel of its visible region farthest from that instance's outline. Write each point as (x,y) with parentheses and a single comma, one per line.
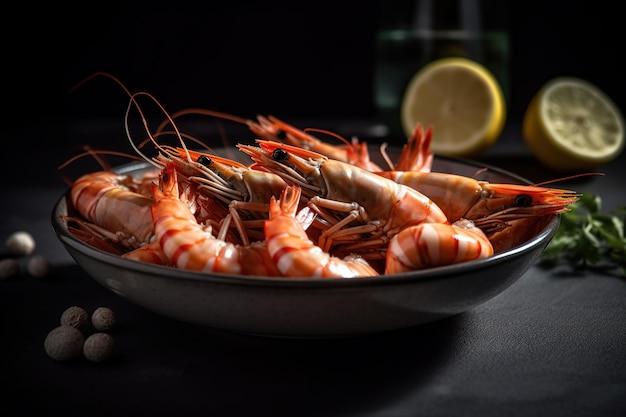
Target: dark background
(552,345)
(287,58)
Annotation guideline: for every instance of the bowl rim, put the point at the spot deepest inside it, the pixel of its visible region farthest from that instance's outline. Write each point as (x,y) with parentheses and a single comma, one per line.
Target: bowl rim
(426,275)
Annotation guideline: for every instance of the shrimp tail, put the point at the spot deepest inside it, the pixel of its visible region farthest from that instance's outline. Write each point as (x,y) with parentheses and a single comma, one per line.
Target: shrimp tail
(416,154)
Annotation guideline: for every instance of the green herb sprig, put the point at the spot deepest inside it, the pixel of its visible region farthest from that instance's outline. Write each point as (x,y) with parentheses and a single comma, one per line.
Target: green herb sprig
(587,238)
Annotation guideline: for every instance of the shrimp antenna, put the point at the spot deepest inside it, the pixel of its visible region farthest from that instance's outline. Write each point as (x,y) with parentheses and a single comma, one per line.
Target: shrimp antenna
(96,74)
(203,112)
(96,154)
(329,133)
(132,101)
(206,112)
(160,128)
(184,135)
(586,174)
(145,124)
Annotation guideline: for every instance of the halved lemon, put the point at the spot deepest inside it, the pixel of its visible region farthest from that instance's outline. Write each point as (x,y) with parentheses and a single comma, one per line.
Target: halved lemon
(571,125)
(461,100)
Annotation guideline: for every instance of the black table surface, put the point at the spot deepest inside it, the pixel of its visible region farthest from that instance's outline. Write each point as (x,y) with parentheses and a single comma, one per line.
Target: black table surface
(553,344)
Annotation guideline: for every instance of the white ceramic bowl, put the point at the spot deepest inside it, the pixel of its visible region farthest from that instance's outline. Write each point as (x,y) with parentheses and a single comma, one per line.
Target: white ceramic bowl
(311,307)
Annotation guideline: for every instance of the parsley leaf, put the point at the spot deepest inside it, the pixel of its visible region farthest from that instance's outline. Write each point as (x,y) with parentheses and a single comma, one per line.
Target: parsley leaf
(588,238)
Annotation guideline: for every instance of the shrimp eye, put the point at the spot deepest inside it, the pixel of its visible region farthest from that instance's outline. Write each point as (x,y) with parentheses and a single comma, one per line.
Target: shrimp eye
(166,178)
(205,160)
(523,200)
(280,154)
(281,134)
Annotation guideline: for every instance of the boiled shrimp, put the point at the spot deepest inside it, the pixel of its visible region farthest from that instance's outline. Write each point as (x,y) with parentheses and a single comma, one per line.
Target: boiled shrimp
(415,155)
(362,210)
(188,245)
(353,152)
(490,206)
(112,202)
(295,254)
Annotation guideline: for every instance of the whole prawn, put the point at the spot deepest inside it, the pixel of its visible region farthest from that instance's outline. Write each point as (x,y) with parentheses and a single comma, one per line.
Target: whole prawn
(415,155)
(489,205)
(493,207)
(188,245)
(294,254)
(106,201)
(362,210)
(112,202)
(274,129)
